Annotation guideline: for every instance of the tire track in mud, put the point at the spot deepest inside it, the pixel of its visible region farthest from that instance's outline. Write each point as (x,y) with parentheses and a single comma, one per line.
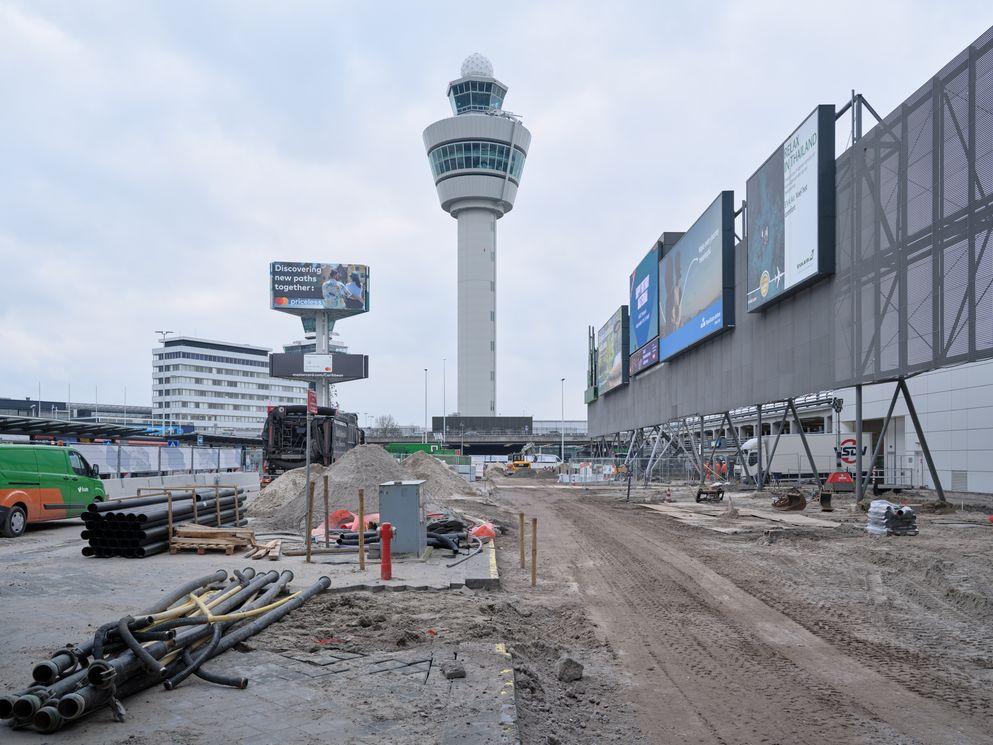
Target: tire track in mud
(737,689)
(741,671)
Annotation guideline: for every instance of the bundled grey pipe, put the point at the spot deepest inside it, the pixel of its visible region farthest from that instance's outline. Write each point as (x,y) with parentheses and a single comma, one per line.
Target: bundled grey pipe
(144,530)
(886,518)
(99,673)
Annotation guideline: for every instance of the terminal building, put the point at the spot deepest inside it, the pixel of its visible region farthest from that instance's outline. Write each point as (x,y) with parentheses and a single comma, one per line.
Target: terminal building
(218,387)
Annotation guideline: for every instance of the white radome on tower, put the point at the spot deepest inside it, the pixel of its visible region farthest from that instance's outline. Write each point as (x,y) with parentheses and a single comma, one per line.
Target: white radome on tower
(476,65)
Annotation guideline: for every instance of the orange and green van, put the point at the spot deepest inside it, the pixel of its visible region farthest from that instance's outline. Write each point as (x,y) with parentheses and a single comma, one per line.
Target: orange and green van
(44,482)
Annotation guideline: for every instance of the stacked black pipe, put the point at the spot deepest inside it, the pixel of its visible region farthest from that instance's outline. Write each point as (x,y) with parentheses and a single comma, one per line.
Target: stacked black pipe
(139,651)
(138,528)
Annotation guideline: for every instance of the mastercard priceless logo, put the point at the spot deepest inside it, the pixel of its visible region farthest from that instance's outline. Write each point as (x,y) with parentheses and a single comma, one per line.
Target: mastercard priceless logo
(281,301)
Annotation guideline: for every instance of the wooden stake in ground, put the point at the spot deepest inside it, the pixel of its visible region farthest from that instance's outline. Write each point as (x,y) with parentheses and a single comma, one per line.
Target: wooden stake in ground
(520,537)
(534,551)
(327,514)
(361,528)
(310,517)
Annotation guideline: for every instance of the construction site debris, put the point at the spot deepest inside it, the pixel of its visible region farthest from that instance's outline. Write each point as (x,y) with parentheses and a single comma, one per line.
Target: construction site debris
(164,644)
(886,518)
(452,669)
(792,500)
(568,670)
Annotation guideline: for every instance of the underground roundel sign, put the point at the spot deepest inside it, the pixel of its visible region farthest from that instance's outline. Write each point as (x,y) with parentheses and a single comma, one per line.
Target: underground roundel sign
(848,451)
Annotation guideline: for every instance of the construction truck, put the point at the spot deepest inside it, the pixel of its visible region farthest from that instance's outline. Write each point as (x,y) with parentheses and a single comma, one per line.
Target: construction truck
(284,438)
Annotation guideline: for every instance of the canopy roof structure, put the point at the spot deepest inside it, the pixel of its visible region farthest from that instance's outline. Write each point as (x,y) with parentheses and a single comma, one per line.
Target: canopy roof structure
(29,425)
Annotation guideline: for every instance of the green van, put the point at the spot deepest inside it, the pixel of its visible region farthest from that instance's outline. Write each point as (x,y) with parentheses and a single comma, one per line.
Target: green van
(44,482)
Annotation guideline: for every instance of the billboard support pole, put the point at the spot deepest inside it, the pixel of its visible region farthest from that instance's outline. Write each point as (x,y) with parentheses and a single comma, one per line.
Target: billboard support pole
(858,444)
(806,445)
(651,456)
(737,445)
(703,466)
(775,443)
(922,439)
(760,480)
(882,436)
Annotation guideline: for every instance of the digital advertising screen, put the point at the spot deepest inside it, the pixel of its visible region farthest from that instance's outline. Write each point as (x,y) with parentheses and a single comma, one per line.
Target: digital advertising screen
(337,367)
(644,358)
(612,352)
(644,301)
(791,213)
(696,280)
(307,287)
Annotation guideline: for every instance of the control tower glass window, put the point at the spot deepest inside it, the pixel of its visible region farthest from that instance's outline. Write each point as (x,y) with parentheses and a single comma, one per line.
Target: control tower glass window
(488,156)
(476,95)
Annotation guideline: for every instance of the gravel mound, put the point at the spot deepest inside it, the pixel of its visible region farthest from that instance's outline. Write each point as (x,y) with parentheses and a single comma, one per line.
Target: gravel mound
(363,467)
(441,481)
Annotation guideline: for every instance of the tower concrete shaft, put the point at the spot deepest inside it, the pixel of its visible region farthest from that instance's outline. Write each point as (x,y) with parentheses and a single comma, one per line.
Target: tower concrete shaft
(477,159)
(477,312)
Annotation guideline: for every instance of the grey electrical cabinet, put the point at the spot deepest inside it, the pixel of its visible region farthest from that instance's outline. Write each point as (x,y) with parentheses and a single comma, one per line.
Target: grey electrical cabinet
(401,506)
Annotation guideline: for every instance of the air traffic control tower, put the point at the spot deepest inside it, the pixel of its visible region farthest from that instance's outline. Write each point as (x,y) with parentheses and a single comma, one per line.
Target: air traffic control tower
(477,157)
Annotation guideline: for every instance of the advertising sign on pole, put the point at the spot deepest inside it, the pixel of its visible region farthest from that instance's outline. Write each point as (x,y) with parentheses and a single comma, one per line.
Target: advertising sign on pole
(311,401)
(791,213)
(696,281)
(304,288)
(319,364)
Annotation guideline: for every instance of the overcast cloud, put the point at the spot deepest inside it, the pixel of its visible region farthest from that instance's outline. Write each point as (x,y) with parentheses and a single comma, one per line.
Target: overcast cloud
(157,156)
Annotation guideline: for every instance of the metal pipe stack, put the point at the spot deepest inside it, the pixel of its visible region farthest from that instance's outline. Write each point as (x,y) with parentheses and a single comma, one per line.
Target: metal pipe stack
(139,528)
(164,644)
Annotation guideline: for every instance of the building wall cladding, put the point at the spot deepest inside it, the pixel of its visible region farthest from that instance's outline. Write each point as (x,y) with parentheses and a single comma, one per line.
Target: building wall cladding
(914,222)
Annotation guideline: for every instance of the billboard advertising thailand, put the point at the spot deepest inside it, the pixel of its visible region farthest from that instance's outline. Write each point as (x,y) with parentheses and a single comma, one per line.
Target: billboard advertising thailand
(645,357)
(696,280)
(791,213)
(612,352)
(644,292)
(308,287)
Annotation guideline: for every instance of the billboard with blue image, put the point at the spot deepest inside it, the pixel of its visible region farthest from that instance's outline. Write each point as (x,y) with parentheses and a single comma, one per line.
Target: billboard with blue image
(644,294)
(696,281)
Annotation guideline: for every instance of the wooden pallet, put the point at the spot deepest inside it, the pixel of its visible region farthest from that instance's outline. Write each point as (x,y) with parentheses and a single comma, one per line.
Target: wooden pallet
(203,538)
(202,545)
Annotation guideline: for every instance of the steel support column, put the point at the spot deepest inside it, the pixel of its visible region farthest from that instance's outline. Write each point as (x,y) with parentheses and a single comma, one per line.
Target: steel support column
(858,444)
(922,439)
(806,445)
(760,480)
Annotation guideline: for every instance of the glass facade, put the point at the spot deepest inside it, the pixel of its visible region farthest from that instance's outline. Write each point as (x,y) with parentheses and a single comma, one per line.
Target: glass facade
(488,156)
(476,95)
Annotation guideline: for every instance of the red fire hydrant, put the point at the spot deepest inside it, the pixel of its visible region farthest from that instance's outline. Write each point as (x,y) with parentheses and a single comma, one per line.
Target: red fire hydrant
(386,561)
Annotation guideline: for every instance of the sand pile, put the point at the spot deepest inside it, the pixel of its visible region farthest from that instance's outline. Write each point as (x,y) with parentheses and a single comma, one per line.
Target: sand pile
(363,467)
(440,480)
(281,490)
(495,469)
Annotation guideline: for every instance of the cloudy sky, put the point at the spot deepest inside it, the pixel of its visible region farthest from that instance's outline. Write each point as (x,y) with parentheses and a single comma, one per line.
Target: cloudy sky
(158,155)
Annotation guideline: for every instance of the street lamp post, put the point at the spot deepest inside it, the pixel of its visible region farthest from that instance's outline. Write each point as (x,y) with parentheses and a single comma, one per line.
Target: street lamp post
(444,404)
(562,425)
(425,406)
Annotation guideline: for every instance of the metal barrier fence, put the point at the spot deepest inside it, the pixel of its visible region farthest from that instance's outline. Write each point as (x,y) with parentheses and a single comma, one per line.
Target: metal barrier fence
(120,461)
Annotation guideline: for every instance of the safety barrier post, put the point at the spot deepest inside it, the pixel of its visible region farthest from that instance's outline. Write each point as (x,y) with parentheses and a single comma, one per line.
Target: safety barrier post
(521,537)
(361,528)
(386,558)
(310,517)
(327,514)
(534,551)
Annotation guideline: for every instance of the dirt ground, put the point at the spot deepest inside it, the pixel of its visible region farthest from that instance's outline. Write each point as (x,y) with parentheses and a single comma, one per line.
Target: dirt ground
(811,635)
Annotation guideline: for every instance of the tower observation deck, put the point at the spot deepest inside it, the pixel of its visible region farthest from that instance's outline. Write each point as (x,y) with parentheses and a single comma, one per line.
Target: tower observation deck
(477,157)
